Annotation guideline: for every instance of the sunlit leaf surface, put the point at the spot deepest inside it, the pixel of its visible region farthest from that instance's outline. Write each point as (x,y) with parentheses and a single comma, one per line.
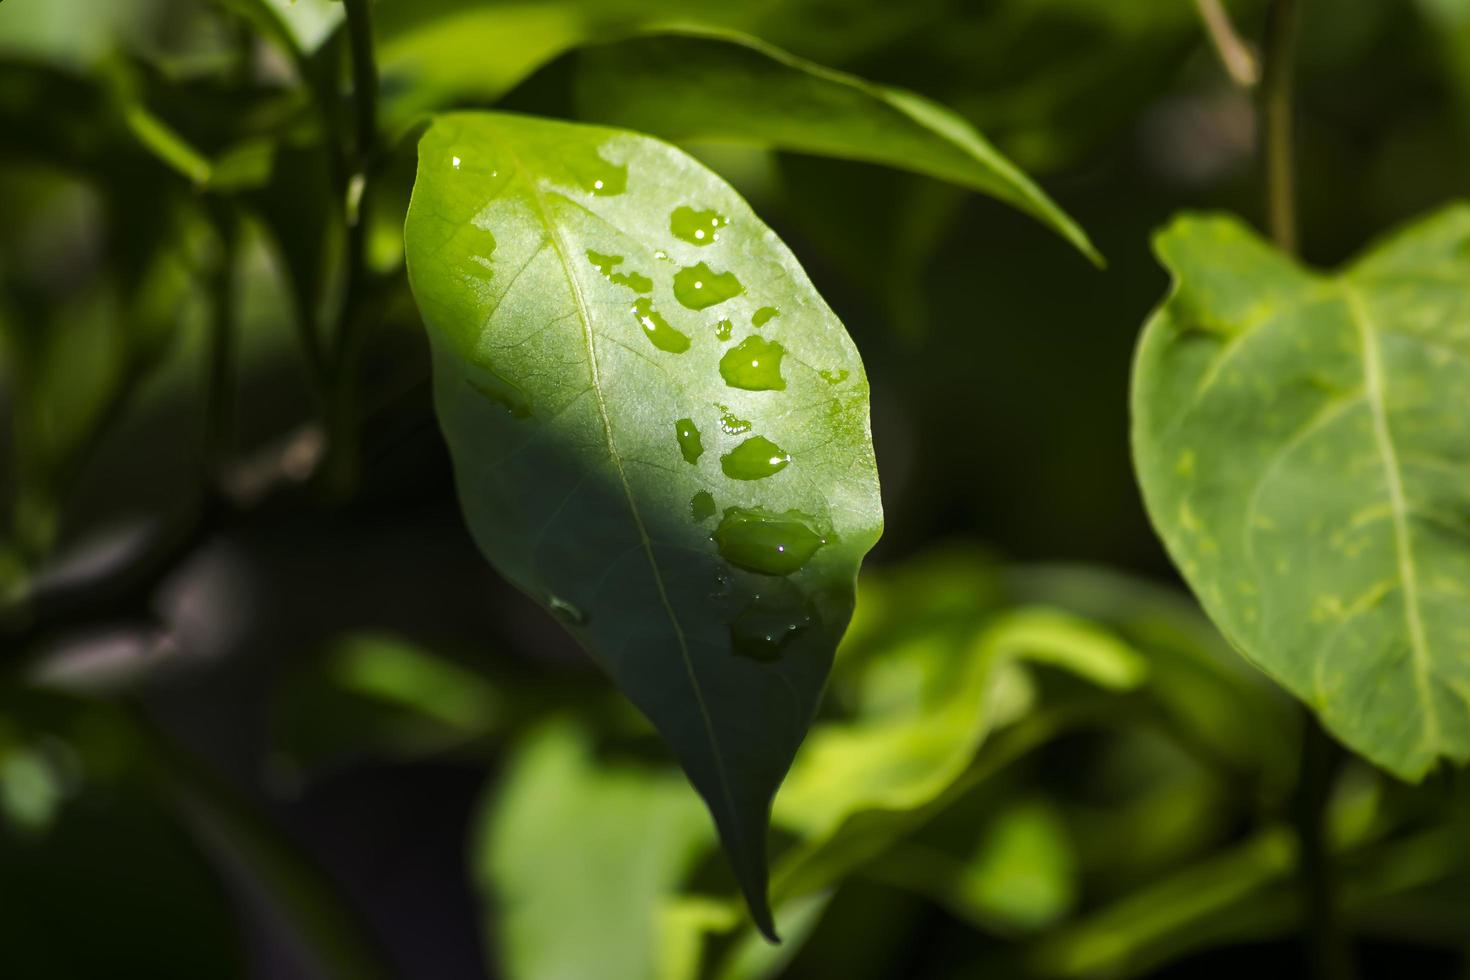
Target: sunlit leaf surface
(659,430)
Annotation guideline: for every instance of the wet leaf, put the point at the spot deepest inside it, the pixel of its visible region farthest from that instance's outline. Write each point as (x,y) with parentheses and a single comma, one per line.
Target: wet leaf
(1301,443)
(562,390)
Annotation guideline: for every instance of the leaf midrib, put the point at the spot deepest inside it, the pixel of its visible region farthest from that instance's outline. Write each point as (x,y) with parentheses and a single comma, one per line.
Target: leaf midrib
(1398,505)
(589,338)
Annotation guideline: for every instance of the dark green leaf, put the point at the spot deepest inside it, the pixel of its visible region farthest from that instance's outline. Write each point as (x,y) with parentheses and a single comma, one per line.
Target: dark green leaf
(577,337)
(691,86)
(1302,446)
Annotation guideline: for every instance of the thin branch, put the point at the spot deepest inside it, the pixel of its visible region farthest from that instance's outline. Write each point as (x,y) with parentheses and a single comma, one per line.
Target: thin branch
(1329,954)
(340,470)
(1276,121)
(1235,55)
(364,76)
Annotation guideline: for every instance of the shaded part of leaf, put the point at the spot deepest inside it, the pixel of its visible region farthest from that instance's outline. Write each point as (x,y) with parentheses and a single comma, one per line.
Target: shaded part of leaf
(700,85)
(588,499)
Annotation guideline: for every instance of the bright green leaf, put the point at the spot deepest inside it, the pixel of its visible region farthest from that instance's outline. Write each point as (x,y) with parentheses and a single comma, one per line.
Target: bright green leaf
(693,86)
(1023,874)
(577,856)
(1302,445)
(574,342)
(933,680)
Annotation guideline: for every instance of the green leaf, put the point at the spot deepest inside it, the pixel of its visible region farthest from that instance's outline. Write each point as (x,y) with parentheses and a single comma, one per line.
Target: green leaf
(693,86)
(578,855)
(577,331)
(378,694)
(1023,874)
(442,53)
(939,698)
(1200,684)
(1301,444)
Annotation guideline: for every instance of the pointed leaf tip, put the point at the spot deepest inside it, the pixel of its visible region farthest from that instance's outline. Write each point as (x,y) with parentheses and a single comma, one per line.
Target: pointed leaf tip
(578,322)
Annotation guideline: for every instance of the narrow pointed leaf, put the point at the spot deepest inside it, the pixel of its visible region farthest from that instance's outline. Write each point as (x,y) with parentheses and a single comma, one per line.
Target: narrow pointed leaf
(714,86)
(696,522)
(1302,445)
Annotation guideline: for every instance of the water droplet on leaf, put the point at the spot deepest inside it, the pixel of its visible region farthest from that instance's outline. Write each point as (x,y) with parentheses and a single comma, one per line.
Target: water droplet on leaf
(724,329)
(479,245)
(766,627)
(766,543)
(699,287)
(754,364)
(702,506)
(689,442)
(565,611)
(754,459)
(764,315)
(657,329)
(606,264)
(596,175)
(697,227)
(730,424)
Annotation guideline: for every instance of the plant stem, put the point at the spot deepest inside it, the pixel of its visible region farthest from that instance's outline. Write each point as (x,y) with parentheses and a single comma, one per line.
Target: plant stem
(1276,122)
(1329,956)
(1329,953)
(1235,54)
(340,470)
(364,76)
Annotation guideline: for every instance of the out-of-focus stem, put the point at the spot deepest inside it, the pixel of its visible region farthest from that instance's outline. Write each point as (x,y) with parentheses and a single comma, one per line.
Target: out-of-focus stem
(1237,57)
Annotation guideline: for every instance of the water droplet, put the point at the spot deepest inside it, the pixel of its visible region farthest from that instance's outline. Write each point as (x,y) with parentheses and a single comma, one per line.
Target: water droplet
(766,543)
(699,287)
(455,163)
(503,393)
(565,611)
(754,364)
(754,459)
(478,245)
(724,329)
(833,377)
(697,227)
(702,506)
(689,442)
(733,426)
(766,627)
(605,264)
(657,329)
(661,255)
(597,175)
(764,315)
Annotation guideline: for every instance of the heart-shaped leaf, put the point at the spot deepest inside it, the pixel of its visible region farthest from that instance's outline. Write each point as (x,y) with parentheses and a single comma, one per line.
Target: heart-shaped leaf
(1302,445)
(659,431)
